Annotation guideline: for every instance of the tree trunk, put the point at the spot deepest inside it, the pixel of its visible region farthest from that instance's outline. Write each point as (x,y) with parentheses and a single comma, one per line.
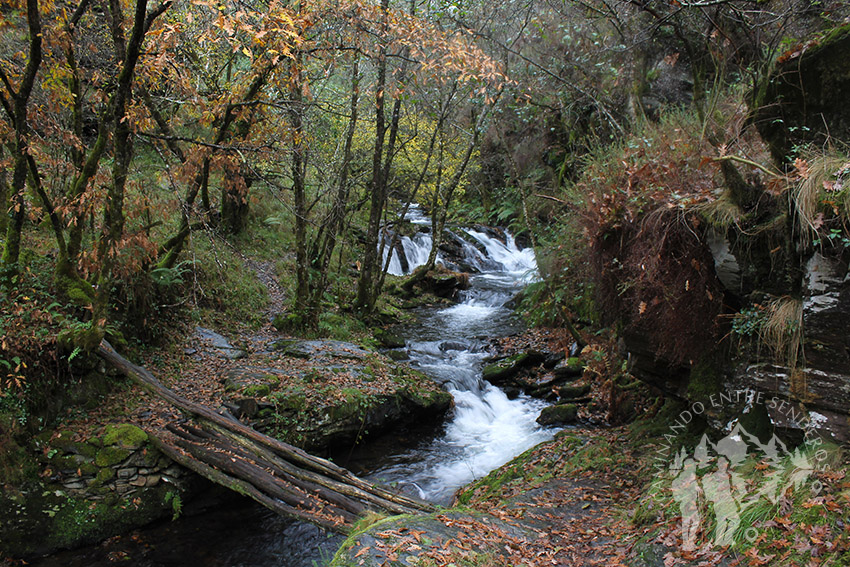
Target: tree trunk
(16,105)
(296,122)
(326,242)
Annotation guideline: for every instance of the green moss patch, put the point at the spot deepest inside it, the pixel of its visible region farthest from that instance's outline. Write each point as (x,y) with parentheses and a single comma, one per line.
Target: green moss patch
(124,435)
(111,456)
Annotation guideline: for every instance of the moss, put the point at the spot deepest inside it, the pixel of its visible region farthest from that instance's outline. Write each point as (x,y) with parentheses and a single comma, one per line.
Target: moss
(104,475)
(110,456)
(257,391)
(295,402)
(85,449)
(63,440)
(87,468)
(271,379)
(388,339)
(43,521)
(573,392)
(705,381)
(124,435)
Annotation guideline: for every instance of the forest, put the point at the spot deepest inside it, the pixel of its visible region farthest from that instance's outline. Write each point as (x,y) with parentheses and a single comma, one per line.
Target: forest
(623,225)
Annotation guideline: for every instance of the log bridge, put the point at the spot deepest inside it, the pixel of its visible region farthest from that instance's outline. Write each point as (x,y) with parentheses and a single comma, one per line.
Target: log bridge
(284,478)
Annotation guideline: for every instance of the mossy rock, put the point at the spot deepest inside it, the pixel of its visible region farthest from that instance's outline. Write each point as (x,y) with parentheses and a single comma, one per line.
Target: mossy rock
(125,435)
(111,456)
(398,355)
(43,521)
(558,415)
(257,391)
(388,339)
(288,401)
(104,475)
(573,392)
(64,441)
(570,367)
(502,370)
(88,469)
(803,100)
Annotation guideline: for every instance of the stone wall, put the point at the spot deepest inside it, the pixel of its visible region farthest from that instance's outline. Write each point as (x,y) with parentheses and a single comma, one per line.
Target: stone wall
(88,490)
(121,461)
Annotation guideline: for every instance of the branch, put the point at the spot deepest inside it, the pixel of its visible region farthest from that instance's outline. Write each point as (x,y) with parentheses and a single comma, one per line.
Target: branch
(8,83)
(750,163)
(204,144)
(77,15)
(155,13)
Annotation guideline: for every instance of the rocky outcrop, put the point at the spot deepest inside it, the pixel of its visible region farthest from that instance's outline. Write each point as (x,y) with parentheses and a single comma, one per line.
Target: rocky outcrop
(538,374)
(322,394)
(804,100)
(216,344)
(819,388)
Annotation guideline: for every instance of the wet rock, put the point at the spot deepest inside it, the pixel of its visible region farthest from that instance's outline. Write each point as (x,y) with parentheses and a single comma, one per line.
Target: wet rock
(558,415)
(570,368)
(508,369)
(217,344)
(398,355)
(388,339)
(552,360)
(573,392)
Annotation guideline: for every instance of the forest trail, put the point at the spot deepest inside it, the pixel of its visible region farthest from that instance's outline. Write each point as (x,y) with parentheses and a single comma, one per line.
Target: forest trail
(281,477)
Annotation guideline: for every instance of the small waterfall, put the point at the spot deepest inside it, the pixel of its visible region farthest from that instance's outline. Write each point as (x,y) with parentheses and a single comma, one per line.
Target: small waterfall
(487,429)
(414,250)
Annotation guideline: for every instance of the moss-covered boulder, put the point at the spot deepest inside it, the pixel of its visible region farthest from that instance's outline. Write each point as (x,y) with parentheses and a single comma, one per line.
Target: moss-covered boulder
(507,369)
(388,338)
(804,100)
(569,368)
(558,415)
(339,396)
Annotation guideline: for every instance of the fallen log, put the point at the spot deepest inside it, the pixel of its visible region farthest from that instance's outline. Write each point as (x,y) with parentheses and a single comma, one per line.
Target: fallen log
(284,478)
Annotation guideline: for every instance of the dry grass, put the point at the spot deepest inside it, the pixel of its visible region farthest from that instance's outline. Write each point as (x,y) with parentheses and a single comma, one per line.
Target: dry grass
(782,331)
(721,213)
(824,188)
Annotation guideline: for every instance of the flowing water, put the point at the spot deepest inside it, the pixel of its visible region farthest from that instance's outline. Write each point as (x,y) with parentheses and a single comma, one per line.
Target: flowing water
(484,430)
(450,344)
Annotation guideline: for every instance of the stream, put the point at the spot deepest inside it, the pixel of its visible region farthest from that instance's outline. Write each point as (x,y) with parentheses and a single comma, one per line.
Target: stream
(485,430)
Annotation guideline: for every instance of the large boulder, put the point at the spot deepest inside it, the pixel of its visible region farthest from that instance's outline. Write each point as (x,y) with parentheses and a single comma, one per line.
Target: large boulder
(804,100)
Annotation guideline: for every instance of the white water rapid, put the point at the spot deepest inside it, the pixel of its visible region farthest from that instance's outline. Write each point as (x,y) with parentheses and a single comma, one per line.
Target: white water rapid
(450,344)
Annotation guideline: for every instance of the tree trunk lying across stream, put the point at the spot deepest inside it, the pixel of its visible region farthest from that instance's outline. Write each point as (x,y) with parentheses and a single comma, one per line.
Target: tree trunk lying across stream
(281,477)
